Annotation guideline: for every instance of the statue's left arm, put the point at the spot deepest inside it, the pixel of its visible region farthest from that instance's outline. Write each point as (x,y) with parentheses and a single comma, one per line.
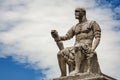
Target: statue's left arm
(97,35)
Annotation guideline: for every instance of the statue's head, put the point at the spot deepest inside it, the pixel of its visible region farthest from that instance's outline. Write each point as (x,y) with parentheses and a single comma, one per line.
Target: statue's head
(80,12)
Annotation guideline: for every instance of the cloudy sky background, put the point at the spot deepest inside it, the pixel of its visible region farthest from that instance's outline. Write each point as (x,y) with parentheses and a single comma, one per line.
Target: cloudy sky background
(25,38)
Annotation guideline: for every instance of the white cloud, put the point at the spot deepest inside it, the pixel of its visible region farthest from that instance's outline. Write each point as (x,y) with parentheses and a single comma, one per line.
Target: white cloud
(30,41)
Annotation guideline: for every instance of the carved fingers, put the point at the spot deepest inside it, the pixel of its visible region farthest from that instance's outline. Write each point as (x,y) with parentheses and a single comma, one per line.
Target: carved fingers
(55,35)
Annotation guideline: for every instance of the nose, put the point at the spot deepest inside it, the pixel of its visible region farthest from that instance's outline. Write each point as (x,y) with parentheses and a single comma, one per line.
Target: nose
(76,13)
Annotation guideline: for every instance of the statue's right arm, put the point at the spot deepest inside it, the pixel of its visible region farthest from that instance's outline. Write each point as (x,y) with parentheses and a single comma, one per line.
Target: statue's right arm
(68,35)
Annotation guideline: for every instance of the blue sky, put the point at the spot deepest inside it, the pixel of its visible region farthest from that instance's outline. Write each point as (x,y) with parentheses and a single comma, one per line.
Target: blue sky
(27,51)
(10,69)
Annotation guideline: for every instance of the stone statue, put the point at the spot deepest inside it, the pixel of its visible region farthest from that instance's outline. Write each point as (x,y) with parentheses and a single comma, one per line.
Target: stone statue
(81,58)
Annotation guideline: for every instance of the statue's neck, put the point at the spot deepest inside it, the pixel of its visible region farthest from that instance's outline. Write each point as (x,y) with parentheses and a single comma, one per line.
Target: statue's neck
(83,19)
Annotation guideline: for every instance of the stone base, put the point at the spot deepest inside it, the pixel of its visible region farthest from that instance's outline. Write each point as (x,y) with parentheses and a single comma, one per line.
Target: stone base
(86,77)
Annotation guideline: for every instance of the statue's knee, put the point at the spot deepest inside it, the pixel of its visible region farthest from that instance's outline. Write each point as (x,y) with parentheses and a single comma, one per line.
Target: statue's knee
(59,54)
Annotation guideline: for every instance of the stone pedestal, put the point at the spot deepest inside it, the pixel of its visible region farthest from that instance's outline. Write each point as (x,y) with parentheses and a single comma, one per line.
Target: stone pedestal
(86,77)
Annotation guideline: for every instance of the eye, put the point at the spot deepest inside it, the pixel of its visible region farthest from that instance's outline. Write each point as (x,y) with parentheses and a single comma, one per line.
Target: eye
(76,11)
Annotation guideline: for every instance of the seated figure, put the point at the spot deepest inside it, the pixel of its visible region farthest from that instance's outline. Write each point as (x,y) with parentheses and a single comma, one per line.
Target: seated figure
(81,57)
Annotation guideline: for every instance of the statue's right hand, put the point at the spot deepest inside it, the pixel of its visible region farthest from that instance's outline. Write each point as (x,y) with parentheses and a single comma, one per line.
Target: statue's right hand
(55,35)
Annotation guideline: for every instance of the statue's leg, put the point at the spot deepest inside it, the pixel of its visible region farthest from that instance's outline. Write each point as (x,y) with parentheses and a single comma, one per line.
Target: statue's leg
(62,63)
(78,59)
(71,67)
(88,63)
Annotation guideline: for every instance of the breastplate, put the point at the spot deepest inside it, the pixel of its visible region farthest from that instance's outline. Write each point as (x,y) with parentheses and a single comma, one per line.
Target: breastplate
(83,28)
(84,31)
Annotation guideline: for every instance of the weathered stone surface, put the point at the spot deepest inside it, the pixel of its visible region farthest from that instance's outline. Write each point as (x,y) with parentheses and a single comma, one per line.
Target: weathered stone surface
(81,57)
(86,77)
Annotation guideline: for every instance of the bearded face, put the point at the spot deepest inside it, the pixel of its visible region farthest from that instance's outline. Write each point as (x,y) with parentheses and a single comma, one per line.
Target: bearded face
(79,13)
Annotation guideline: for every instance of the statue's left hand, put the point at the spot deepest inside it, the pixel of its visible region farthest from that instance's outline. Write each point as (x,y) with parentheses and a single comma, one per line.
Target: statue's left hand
(90,50)
(90,53)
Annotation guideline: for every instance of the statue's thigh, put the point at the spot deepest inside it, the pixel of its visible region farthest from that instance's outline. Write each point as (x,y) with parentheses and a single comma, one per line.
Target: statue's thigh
(68,54)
